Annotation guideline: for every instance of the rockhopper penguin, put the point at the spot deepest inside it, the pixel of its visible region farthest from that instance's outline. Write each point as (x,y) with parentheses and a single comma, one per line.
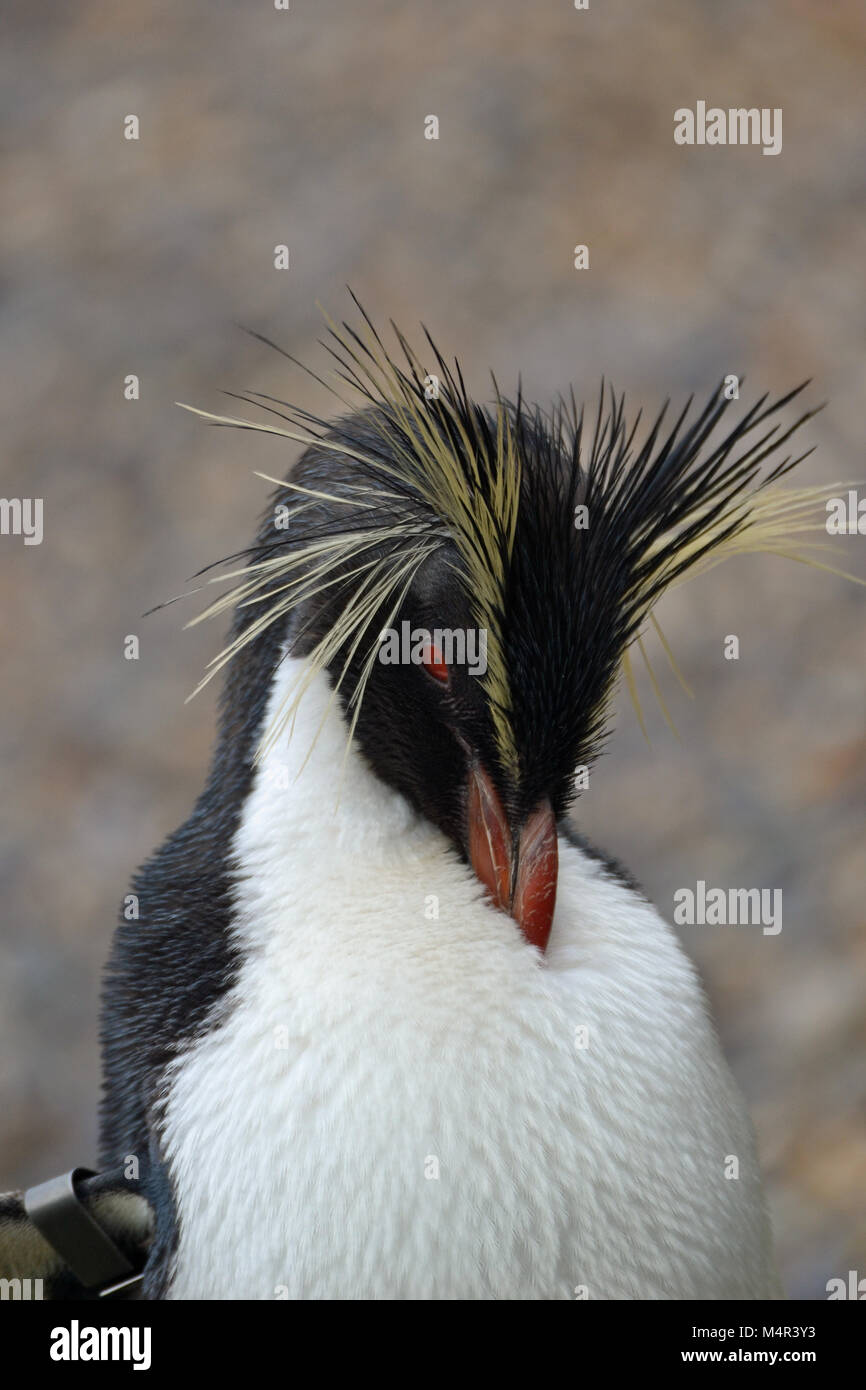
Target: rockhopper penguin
(386,1026)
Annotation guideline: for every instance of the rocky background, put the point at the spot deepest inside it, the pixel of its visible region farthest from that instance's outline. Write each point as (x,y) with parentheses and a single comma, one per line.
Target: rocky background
(261,127)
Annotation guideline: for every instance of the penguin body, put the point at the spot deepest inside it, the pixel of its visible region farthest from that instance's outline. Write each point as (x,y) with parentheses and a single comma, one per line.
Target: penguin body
(394,1101)
(386,1027)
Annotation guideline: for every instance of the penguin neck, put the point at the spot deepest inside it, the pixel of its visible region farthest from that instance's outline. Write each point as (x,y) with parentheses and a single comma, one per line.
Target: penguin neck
(313,791)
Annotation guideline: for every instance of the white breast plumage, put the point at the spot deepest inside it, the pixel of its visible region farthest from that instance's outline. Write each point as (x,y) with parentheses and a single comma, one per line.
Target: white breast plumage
(400,1098)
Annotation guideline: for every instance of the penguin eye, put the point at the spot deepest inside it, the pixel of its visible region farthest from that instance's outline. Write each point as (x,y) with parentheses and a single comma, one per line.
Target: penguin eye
(435,666)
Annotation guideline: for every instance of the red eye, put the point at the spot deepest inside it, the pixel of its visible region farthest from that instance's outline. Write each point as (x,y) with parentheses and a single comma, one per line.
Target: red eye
(434,665)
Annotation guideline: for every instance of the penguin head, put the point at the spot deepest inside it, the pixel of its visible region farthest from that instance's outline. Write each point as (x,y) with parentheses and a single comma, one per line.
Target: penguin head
(478,703)
(472,577)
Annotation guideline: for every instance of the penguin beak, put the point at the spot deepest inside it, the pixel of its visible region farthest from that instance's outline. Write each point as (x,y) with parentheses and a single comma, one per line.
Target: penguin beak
(518,868)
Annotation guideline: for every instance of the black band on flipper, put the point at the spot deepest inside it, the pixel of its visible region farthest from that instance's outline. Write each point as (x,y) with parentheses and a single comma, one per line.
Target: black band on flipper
(61,1218)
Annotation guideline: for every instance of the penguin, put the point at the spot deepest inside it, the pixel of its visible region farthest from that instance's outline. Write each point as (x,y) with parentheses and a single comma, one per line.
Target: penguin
(386,1025)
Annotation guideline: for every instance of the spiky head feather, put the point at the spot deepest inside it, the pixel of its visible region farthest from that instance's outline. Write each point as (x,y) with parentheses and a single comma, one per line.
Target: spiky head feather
(425,471)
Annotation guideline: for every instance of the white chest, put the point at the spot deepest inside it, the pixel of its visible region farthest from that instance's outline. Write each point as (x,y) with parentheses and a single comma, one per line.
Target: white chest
(400,1104)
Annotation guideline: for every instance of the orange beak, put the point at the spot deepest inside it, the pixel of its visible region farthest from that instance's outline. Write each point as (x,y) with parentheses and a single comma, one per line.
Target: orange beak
(519,873)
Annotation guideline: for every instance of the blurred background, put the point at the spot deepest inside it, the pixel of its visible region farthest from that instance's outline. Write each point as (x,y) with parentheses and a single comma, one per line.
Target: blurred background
(306,128)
